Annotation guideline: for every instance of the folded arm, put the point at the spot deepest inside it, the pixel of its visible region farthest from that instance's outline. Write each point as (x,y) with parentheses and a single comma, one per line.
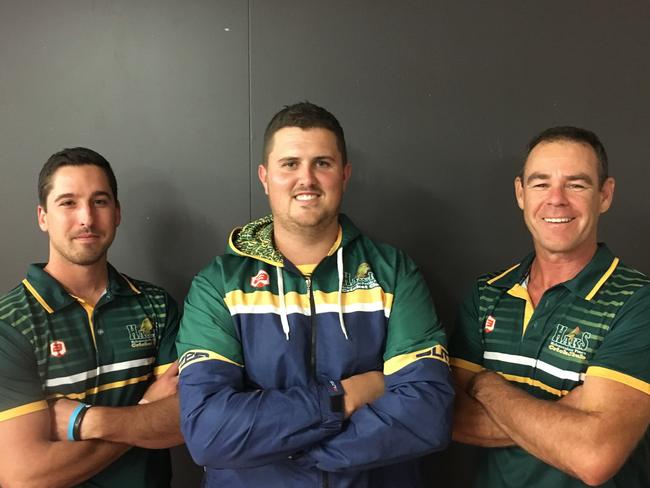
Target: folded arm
(226,426)
(412,418)
(28,458)
(589,434)
(153,424)
(472,424)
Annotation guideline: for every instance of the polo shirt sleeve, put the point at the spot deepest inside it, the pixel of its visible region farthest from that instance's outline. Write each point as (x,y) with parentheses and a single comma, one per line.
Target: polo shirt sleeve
(167,346)
(466,345)
(624,355)
(20,385)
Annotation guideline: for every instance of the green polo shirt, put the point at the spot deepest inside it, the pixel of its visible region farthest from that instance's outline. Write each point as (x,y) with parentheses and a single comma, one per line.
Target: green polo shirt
(53,345)
(597,323)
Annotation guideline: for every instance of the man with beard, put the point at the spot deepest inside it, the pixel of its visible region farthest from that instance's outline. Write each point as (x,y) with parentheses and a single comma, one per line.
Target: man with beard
(87,357)
(284,339)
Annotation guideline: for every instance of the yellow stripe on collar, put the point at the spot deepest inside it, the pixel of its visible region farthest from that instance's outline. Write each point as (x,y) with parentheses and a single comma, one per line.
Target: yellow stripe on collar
(38,297)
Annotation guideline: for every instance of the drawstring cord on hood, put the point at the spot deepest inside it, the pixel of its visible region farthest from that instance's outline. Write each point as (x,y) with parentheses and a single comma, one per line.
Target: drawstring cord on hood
(339,268)
(283,306)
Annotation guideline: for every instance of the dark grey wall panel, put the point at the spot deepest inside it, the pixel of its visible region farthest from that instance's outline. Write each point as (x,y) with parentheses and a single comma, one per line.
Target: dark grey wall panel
(158,87)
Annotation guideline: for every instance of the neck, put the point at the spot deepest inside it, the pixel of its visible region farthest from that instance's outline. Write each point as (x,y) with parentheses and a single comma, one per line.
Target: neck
(306,246)
(87,282)
(549,270)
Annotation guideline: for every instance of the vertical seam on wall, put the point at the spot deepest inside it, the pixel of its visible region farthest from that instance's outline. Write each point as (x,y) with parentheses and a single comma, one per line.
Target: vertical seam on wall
(250,120)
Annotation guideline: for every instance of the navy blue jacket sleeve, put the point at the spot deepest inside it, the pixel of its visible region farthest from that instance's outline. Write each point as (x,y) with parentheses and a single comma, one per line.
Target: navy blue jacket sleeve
(413,417)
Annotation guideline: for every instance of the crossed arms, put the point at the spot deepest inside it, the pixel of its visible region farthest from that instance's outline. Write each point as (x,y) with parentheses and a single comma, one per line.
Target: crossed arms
(588,434)
(229,425)
(33,452)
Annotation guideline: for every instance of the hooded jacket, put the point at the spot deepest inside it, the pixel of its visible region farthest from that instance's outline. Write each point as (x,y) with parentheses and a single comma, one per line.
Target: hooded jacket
(263,348)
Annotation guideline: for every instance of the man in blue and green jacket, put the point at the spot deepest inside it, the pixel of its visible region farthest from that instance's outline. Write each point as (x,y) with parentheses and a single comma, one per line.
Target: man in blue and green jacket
(311,355)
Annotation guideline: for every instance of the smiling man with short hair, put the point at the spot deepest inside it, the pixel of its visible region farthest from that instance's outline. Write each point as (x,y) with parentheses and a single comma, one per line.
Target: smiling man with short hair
(87,357)
(551,355)
(284,339)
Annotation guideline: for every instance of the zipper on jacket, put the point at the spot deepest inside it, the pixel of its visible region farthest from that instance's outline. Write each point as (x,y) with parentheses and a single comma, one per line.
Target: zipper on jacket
(312,323)
(312,358)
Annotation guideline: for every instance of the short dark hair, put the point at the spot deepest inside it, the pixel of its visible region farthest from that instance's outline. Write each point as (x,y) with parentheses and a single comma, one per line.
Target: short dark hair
(573,134)
(305,115)
(75,156)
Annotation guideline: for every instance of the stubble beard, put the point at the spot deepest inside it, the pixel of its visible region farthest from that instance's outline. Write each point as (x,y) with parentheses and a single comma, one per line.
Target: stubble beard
(83,257)
(308,226)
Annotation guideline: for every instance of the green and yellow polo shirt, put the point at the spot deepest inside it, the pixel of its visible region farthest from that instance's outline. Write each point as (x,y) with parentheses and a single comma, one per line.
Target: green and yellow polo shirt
(53,344)
(597,323)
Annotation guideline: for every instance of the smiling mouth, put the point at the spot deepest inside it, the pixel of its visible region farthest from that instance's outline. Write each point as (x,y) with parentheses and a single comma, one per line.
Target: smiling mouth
(305,197)
(558,220)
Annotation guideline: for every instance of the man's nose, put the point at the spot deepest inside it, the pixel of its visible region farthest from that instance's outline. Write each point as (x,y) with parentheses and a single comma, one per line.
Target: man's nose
(306,174)
(557,195)
(86,215)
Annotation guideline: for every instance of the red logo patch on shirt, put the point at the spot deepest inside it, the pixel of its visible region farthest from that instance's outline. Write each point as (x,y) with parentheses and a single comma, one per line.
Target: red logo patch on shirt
(260,279)
(489,324)
(57,349)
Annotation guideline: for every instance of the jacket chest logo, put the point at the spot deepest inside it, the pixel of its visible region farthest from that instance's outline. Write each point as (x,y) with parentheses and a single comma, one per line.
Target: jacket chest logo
(261,279)
(570,342)
(141,335)
(364,279)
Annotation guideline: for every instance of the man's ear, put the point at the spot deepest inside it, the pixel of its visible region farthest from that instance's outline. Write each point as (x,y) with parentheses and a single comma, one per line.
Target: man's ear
(519,192)
(347,173)
(118,214)
(607,194)
(41,217)
(262,174)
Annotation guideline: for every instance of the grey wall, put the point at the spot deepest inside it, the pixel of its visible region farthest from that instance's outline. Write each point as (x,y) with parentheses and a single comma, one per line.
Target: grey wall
(438,99)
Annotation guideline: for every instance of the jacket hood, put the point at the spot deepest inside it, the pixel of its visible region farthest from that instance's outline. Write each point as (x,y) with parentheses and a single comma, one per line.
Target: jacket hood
(255,239)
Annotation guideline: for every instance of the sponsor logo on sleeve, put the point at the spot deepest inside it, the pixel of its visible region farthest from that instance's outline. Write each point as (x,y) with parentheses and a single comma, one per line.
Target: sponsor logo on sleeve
(191,357)
(490,322)
(57,349)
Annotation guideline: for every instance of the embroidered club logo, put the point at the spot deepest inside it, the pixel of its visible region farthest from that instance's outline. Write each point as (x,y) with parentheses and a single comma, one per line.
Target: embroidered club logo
(363,279)
(261,279)
(57,349)
(569,342)
(141,335)
(489,324)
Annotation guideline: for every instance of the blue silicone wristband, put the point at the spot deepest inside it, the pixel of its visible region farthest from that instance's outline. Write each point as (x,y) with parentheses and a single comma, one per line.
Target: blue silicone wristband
(73,417)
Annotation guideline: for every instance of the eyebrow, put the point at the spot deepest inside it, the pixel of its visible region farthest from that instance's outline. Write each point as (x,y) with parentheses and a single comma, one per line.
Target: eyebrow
(576,177)
(63,196)
(315,158)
